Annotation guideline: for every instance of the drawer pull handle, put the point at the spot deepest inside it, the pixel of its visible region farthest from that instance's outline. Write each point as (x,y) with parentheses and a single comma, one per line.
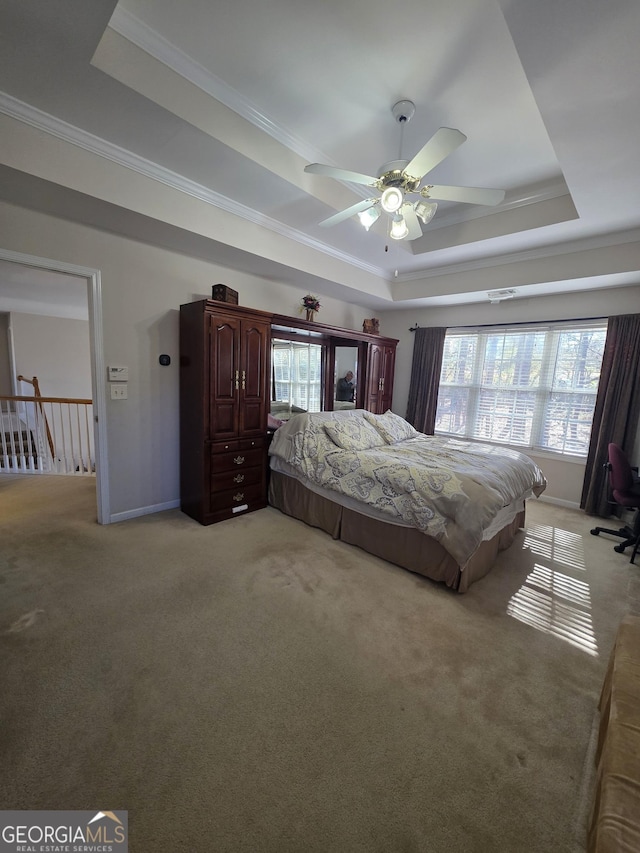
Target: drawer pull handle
(237,378)
(238,478)
(239,460)
(239,497)
(244,379)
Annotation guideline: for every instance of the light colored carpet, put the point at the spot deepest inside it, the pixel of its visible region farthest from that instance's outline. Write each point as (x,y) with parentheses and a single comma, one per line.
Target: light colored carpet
(255,686)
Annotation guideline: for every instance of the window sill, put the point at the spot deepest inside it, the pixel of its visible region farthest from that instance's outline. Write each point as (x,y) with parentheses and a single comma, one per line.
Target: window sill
(528,451)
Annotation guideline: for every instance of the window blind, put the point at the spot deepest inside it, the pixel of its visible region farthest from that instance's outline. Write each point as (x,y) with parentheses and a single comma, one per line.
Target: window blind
(532,385)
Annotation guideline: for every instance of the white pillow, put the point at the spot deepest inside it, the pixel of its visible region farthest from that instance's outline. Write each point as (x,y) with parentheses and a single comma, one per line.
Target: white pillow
(353,434)
(392,427)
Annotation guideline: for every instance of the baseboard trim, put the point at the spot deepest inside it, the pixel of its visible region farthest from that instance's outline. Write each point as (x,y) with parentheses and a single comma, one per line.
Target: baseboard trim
(142,510)
(559,502)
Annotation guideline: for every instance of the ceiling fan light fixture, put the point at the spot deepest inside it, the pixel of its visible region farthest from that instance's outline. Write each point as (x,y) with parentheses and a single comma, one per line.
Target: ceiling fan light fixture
(425,210)
(399,229)
(398,180)
(392,199)
(368,217)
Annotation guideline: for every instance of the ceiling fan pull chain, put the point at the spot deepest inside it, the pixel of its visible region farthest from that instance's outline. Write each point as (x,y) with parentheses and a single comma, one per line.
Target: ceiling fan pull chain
(401,121)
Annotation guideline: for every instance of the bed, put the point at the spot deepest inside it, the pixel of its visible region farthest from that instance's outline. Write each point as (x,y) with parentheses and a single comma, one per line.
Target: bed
(437,506)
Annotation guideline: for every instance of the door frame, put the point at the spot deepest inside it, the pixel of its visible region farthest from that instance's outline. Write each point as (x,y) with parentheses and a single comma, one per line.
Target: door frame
(96,342)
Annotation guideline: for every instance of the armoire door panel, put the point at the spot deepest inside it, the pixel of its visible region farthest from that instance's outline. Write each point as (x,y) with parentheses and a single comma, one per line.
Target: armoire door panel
(253,378)
(224,358)
(252,418)
(388,370)
(254,353)
(224,374)
(224,421)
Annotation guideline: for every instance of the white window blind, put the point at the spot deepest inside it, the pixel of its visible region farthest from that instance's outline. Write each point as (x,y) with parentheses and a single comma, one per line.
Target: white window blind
(297,374)
(533,386)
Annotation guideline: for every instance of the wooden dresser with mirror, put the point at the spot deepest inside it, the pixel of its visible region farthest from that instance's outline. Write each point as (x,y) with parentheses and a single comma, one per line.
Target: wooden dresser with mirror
(238,366)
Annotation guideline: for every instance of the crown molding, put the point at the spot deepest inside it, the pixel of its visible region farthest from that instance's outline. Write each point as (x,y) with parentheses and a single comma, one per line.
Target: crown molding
(47,123)
(143,36)
(149,40)
(60,129)
(602,241)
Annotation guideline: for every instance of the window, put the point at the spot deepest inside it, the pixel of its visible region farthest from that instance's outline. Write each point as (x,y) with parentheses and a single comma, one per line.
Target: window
(533,386)
(297,374)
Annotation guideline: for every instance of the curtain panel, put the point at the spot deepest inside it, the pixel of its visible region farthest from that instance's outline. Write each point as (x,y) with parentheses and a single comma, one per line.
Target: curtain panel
(428,347)
(617,409)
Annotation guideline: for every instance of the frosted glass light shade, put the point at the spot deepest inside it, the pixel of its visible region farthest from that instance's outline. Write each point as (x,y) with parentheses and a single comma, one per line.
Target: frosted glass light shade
(368,217)
(425,210)
(391,199)
(399,229)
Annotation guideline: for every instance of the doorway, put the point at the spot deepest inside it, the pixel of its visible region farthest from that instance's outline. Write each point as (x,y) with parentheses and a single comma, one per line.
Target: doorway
(52,288)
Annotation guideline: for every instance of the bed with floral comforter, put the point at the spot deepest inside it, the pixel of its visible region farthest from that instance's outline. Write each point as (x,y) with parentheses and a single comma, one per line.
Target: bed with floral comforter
(460,494)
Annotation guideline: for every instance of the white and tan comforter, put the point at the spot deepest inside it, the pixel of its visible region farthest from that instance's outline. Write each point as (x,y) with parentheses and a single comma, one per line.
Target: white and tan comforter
(450,489)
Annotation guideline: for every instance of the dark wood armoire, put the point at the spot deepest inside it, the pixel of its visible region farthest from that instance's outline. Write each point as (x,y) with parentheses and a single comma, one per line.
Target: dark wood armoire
(224,393)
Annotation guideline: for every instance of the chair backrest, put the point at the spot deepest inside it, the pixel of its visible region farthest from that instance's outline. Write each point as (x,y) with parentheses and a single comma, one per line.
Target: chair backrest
(621,473)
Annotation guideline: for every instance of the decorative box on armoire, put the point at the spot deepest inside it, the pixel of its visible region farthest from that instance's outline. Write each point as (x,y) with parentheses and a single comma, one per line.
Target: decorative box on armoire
(224,394)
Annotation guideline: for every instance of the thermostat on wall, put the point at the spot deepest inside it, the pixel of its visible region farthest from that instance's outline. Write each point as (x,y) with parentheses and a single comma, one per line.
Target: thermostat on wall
(118,374)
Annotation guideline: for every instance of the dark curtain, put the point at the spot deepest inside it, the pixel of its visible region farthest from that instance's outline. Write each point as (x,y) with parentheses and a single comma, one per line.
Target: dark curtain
(617,409)
(428,347)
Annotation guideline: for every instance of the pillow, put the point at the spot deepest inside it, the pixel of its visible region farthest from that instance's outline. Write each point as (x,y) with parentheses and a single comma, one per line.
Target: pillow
(391,427)
(353,434)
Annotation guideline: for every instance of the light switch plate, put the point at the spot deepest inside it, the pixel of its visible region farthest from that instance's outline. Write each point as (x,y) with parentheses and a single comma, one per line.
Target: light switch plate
(119,392)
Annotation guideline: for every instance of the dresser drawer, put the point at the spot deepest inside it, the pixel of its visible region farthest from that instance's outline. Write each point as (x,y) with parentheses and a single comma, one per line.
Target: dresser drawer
(225,446)
(218,447)
(250,443)
(238,477)
(236,459)
(240,496)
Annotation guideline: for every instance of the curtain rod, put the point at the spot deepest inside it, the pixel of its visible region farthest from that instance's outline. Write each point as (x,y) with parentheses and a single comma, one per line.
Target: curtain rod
(521,323)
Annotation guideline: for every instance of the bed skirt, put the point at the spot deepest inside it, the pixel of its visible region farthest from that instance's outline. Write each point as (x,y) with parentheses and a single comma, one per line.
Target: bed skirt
(404,546)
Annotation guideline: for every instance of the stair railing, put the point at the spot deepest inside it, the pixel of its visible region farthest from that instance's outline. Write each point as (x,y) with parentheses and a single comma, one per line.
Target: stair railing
(46,434)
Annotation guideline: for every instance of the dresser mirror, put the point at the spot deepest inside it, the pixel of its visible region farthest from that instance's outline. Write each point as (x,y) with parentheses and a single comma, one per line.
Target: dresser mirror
(297,370)
(316,367)
(345,376)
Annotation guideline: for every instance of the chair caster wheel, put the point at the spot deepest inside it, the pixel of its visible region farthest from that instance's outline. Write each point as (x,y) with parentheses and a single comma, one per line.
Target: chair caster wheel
(594,532)
(619,549)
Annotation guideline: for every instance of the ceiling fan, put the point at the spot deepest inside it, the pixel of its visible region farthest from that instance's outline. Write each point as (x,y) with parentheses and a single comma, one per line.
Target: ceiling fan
(400,179)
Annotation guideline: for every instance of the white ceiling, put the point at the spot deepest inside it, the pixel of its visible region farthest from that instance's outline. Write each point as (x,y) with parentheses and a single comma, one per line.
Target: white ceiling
(229,100)
(32,290)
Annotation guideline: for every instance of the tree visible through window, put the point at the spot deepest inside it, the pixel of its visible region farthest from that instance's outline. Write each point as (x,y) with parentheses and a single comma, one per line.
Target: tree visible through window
(532,386)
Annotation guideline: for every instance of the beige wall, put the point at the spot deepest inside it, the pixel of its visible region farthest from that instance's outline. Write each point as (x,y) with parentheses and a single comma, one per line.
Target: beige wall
(565,477)
(142,289)
(56,350)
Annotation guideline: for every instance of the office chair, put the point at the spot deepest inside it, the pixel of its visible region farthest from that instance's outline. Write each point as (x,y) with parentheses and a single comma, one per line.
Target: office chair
(625,491)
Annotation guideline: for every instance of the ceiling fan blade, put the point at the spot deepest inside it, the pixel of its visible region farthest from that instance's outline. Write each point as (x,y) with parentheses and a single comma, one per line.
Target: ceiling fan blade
(441,144)
(350,211)
(468,195)
(412,222)
(340,174)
